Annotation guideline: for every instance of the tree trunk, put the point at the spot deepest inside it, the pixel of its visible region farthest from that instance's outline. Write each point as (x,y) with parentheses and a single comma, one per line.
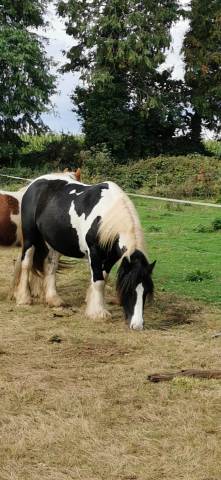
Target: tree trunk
(196,127)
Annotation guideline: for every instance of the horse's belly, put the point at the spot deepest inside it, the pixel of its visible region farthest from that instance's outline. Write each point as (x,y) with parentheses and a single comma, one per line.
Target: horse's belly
(8,232)
(67,250)
(63,240)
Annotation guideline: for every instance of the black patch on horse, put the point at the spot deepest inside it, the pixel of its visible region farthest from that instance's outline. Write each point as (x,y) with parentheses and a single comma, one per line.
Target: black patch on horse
(45,212)
(86,197)
(50,202)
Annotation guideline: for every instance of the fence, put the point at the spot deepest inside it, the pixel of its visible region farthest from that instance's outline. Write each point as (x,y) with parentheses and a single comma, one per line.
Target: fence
(151,197)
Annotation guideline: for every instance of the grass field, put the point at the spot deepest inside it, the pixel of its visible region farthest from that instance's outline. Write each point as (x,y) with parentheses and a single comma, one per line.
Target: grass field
(173,235)
(75,403)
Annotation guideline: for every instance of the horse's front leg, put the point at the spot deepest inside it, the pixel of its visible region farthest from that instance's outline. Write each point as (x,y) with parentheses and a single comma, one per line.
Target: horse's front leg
(50,266)
(95,295)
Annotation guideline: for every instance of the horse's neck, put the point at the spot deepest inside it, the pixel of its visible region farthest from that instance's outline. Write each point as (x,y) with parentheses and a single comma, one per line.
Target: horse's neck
(127,244)
(121,222)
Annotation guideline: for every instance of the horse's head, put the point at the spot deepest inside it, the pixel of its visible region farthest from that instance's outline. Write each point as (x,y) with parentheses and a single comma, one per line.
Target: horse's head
(134,284)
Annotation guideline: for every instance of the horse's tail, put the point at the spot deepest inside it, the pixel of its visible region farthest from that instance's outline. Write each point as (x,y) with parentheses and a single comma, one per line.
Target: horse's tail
(121,219)
(40,254)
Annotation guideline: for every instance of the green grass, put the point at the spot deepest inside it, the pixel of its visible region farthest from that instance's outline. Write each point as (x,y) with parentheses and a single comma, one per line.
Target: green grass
(182,239)
(180,250)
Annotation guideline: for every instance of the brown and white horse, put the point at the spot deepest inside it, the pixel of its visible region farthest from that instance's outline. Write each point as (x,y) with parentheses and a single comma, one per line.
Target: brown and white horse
(10,218)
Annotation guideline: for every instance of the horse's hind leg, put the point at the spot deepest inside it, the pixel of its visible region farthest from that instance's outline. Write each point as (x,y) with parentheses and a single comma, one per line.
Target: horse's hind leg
(36,285)
(16,278)
(50,266)
(22,293)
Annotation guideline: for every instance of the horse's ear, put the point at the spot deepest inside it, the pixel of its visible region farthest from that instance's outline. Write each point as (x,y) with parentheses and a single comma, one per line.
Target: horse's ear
(78,174)
(151,266)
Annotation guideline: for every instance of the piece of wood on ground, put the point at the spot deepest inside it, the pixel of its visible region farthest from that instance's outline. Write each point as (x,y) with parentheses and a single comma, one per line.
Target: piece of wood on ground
(166,376)
(216,335)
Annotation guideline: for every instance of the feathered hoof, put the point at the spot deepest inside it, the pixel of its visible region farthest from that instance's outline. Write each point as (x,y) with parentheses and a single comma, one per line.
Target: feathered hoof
(23,300)
(101,314)
(136,326)
(113,300)
(55,301)
(36,286)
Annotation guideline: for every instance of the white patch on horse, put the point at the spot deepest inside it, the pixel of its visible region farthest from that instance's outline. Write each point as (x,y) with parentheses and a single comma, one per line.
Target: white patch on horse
(95,301)
(67,177)
(16,218)
(83,224)
(123,242)
(137,318)
(76,193)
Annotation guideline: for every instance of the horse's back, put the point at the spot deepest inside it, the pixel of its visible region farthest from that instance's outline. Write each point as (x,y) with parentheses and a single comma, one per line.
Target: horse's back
(66,212)
(45,211)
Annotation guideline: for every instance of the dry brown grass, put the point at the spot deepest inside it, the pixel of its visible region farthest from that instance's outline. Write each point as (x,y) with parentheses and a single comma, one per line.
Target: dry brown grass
(82,408)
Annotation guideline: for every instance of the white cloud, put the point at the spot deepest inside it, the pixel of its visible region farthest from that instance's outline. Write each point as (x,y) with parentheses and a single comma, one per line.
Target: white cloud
(174,56)
(61,118)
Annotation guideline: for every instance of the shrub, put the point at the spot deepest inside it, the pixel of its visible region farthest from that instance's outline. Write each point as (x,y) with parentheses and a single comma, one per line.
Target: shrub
(216,224)
(214,147)
(97,163)
(173,206)
(202,229)
(198,276)
(154,228)
(60,151)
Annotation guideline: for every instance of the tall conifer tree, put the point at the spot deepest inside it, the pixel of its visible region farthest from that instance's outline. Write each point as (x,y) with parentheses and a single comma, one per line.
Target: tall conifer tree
(118,48)
(202,52)
(26,83)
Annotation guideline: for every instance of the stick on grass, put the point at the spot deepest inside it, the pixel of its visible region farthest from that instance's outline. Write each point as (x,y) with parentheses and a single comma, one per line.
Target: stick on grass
(165,377)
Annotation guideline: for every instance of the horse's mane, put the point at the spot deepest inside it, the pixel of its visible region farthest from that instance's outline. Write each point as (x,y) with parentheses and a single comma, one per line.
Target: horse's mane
(121,219)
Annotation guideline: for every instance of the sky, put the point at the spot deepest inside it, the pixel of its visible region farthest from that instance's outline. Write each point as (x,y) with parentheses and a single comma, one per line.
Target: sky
(62,119)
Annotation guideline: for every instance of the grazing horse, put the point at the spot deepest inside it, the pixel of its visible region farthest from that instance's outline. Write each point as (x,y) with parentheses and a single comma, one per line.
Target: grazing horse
(99,221)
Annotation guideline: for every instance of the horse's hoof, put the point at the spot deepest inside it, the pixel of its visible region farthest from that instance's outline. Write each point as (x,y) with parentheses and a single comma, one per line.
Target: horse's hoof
(113,300)
(101,314)
(24,301)
(55,302)
(105,315)
(136,326)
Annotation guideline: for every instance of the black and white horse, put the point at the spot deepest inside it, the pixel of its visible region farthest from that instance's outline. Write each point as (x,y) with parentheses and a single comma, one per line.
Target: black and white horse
(99,221)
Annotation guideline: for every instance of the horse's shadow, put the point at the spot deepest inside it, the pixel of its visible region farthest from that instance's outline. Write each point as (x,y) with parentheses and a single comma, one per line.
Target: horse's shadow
(169,311)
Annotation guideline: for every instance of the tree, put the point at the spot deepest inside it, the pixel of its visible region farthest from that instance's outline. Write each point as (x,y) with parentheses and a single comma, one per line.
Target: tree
(118,48)
(25,80)
(202,52)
